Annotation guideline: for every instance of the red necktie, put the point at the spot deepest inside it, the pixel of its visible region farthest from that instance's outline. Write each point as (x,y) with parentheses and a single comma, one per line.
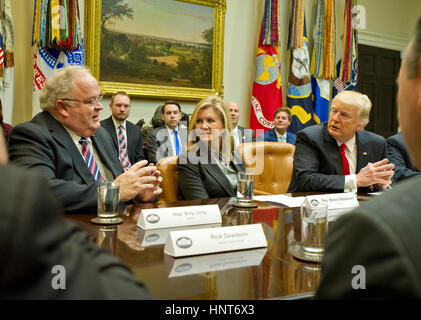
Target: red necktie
(345,163)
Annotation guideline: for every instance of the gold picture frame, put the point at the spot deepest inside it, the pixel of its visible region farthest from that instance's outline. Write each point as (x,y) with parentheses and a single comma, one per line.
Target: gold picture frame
(93,35)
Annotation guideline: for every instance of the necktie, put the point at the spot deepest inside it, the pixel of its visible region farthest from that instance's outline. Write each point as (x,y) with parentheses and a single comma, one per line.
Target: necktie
(90,160)
(178,149)
(282,138)
(122,146)
(345,163)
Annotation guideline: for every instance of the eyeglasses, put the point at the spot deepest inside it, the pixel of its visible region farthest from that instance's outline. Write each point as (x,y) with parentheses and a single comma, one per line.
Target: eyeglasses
(92,102)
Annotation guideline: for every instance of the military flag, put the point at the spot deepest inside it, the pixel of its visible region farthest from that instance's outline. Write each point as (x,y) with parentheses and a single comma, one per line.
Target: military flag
(299,100)
(6,60)
(267,89)
(322,59)
(56,39)
(347,57)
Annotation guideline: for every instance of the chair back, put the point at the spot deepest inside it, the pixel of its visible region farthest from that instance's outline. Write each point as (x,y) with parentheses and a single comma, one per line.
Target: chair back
(272,162)
(169,173)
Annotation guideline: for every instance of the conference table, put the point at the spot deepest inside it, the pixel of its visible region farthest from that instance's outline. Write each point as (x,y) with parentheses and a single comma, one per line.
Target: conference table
(264,273)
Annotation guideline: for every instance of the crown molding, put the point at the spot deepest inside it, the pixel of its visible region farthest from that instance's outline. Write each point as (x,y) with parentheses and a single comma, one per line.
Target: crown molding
(382,40)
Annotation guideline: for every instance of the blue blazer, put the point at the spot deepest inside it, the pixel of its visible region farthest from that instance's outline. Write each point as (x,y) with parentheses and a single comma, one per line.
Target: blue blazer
(270,135)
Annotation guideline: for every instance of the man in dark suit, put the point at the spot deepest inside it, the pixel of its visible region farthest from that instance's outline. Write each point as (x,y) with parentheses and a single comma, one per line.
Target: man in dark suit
(126,136)
(339,156)
(170,139)
(241,134)
(373,252)
(45,256)
(279,133)
(399,156)
(67,145)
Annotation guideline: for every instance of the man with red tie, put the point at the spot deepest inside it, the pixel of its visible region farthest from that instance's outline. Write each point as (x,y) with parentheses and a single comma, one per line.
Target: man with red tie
(340,156)
(66,143)
(126,136)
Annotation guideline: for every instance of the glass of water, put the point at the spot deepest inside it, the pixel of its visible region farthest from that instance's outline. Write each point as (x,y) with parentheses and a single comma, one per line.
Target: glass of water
(245,188)
(314,226)
(108,200)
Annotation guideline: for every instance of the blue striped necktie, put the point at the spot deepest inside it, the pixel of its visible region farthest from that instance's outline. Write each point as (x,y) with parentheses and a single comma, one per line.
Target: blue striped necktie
(122,146)
(178,149)
(90,160)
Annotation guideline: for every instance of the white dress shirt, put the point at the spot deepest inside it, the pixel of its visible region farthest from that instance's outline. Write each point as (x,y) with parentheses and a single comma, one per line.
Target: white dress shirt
(281,137)
(171,136)
(351,156)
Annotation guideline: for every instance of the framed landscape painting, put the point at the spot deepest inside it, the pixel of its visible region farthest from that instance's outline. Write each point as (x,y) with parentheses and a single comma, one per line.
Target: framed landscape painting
(156,48)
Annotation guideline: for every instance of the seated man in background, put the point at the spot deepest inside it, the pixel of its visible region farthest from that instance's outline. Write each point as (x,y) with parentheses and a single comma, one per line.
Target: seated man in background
(398,155)
(279,133)
(126,136)
(240,134)
(339,156)
(36,238)
(170,139)
(67,145)
(374,251)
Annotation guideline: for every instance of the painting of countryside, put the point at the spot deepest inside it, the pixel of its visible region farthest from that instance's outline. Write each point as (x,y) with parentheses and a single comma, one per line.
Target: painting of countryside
(157,42)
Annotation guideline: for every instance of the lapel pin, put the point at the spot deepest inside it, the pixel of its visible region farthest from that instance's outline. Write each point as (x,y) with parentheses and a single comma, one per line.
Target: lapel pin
(364,153)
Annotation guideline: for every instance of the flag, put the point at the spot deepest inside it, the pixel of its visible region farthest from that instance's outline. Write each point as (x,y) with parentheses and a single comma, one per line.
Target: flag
(299,98)
(267,89)
(6,60)
(57,41)
(322,59)
(347,57)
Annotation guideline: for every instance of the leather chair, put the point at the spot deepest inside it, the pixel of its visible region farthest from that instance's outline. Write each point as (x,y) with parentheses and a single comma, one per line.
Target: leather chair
(169,173)
(272,162)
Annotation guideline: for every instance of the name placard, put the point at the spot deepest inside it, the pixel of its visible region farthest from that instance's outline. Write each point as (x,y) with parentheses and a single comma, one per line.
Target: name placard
(210,240)
(177,267)
(154,237)
(336,200)
(179,216)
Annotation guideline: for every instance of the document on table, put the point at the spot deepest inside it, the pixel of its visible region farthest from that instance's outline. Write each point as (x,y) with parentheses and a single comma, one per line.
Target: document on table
(281,198)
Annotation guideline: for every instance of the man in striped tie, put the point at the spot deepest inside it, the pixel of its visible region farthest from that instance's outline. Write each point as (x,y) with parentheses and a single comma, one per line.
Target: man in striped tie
(127,136)
(66,143)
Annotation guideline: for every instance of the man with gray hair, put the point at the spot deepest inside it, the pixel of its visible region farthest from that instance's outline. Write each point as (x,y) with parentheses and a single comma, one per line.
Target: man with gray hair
(339,156)
(67,145)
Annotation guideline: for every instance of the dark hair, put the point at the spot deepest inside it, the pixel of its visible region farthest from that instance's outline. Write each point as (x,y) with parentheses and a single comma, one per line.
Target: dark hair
(171,102)
(282,109)
(123,93)
(414,54)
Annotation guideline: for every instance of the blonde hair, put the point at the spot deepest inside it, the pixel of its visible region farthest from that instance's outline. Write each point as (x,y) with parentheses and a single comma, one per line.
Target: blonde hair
(222,110)
(359,100)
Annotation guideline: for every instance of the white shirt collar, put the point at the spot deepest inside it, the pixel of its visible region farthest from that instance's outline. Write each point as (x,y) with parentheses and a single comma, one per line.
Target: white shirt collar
(350,144)
(117,124)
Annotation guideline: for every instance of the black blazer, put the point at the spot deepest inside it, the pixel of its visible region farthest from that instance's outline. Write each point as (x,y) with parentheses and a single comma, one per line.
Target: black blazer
(159,146)
(134,139)
(204,179)
(35,237)
(44,144)
(399,156)
(318,164)
(383,236)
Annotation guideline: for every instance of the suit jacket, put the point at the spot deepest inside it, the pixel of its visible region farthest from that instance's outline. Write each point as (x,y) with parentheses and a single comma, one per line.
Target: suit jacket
(317,159)
(399,156)
(246,135)
(382,235)
(35,237)
(270,135)
(134,139)
(203,179)
(159,145)
(44,144)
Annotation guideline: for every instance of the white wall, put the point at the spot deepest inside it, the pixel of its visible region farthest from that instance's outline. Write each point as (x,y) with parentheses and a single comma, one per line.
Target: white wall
(392,19)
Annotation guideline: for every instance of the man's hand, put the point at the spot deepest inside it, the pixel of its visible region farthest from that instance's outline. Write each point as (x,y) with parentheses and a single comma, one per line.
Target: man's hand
(378,173)
(139,181)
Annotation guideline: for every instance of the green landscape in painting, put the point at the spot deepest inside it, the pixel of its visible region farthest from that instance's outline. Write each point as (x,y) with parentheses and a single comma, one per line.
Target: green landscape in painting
(133,57)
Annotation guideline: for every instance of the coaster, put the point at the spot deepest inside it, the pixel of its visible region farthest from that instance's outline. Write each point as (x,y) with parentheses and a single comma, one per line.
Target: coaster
(105,221)
(251,205)
(298,252)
